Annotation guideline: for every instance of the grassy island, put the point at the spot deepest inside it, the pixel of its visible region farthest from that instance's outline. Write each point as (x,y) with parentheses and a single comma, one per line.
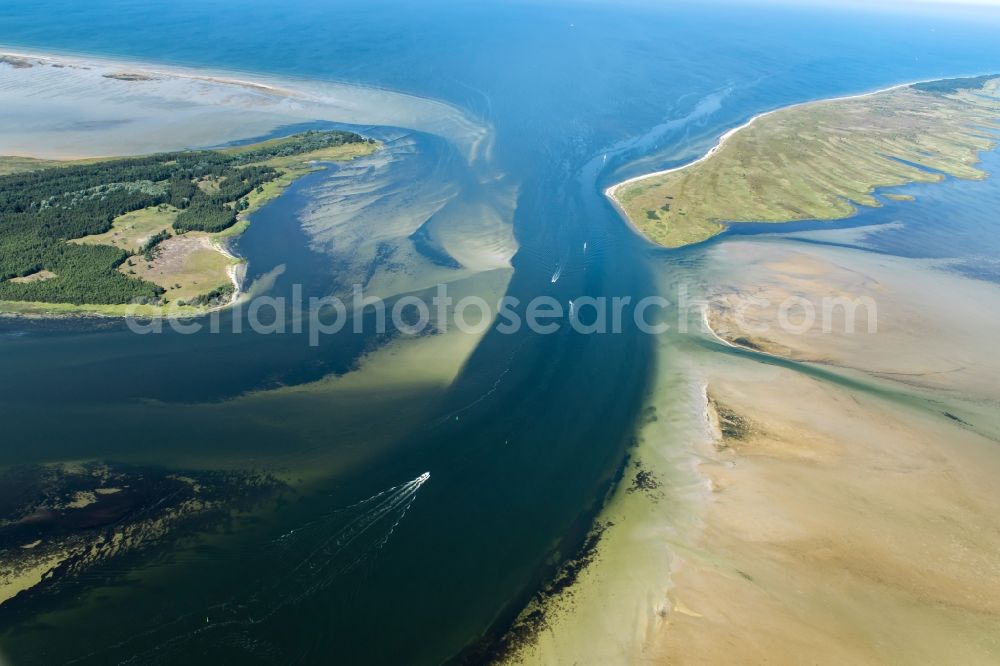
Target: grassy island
(819,160)
(97,236)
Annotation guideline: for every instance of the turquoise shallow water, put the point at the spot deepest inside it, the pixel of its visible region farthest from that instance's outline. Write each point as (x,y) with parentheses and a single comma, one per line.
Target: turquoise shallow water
(386,565)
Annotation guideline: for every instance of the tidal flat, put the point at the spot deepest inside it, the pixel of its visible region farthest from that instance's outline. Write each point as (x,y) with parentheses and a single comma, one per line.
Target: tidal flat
(63,107)
(839,483)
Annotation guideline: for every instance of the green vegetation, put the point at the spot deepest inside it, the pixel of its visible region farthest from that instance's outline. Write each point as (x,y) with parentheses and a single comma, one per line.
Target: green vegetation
(9,165)
(820,160)
(217,296)
(206,217)
(186,266)
(132,231)
(41,210)
(149,247)
(946,86)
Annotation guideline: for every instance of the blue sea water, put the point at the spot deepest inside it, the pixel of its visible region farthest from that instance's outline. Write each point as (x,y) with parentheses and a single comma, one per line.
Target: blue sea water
(581,95)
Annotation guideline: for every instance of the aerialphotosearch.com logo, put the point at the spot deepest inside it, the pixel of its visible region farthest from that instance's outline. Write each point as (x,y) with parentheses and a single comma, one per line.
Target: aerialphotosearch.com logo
(412,315)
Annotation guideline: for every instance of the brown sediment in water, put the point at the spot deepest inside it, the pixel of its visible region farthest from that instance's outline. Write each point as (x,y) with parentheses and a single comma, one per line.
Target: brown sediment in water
(805,519)
(841,529)
(843,523)
(912,322)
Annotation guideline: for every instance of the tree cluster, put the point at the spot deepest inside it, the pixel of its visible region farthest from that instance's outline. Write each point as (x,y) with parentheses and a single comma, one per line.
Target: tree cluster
(41,210)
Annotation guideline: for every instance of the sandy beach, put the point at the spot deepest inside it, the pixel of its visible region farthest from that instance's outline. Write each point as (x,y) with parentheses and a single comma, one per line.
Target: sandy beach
(773,514)
(610,191)
(914,323)
(838,525)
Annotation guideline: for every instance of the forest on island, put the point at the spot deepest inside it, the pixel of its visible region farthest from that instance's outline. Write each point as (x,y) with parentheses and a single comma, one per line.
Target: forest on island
(41,210)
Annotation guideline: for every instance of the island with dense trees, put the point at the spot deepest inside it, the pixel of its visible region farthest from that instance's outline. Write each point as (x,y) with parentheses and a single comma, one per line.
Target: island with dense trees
(87,236)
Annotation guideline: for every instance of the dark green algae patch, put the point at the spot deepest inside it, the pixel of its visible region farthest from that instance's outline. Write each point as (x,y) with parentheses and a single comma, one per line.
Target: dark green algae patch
(69,522)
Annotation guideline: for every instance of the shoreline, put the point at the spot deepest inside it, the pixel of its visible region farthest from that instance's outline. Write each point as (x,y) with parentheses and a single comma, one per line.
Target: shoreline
(798,455)
(193,72)
(184,72)
(39,310)
(732,435)
(234,274)
(611,191)
(361,104)
(236,271)
(87,61)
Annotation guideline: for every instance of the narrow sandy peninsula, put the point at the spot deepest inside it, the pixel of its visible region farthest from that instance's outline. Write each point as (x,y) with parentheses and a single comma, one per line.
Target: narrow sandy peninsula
(818,160)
